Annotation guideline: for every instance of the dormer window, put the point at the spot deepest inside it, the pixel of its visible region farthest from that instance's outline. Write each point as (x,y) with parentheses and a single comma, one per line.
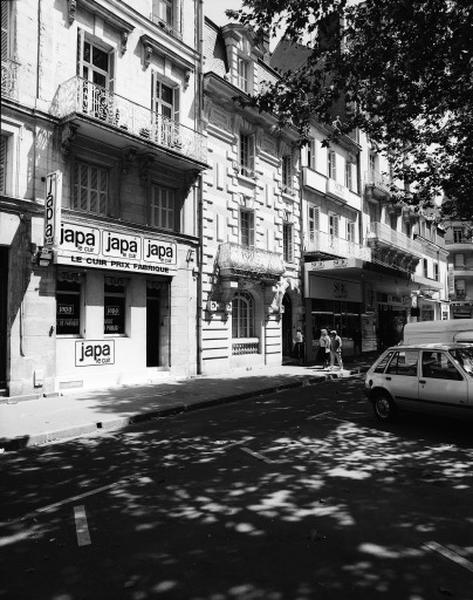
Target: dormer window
(243,74)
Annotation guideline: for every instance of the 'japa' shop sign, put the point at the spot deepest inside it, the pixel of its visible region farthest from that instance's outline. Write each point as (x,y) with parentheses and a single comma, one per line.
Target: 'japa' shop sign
(95,247)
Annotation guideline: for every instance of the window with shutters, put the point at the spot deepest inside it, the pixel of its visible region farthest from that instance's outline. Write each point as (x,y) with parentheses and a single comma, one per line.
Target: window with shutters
(6,17)
(348,175)
(243,74)
(90,188)
(313,222)
(247,228)
(287,172)
(287,242)
(332,164)
(311,155)
(436,271)
(166,14)
(350,233)
(3,163)
(163,207)
(247,154)
(333,225)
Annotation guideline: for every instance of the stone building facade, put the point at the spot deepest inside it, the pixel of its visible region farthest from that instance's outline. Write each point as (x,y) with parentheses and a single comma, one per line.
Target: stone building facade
(251,295)
(101,156)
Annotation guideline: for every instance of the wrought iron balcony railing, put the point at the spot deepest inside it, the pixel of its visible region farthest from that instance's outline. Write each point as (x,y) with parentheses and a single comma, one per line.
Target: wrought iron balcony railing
(320,241)
(79,96)
(9,78)
(384,234)
(379,180)
(236,259)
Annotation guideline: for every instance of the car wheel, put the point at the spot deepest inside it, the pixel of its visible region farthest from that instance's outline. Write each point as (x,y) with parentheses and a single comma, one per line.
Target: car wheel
(384,408)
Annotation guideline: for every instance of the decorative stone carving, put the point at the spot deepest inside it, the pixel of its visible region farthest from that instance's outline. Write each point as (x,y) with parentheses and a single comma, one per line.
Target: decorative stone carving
(68,135)
(128,159)
(71,11)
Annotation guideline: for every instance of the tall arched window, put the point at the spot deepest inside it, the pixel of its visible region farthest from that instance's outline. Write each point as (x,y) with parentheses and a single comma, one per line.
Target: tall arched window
(243,316)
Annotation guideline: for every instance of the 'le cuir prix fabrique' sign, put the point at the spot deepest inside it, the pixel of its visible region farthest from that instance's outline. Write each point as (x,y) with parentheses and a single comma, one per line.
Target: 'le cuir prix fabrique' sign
(98,247)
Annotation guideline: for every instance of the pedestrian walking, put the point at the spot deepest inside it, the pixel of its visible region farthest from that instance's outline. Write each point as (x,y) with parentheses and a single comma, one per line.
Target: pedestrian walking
(299,345)
(324,348)
(335,349)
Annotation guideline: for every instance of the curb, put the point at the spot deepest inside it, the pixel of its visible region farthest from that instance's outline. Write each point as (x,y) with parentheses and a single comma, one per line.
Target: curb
(26,441)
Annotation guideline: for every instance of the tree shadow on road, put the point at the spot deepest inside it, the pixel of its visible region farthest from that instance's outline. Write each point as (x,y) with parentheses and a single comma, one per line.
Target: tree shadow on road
(297,496)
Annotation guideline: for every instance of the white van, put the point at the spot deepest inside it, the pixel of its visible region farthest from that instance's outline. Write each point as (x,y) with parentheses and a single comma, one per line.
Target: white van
(439,332)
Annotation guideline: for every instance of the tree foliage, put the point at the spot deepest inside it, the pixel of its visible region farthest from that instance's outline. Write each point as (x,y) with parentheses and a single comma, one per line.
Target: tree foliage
(403,72)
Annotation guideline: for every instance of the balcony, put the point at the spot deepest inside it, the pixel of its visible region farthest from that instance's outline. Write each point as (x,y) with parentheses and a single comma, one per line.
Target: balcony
(323,243)
(463,270)
(78,99)
(382,234)
(235,260)
(377,184)
(324,185)
(9,78)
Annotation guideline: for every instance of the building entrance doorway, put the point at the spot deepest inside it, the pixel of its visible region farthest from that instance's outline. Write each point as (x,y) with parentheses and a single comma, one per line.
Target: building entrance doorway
(287,341)
(3,316)
(153,301)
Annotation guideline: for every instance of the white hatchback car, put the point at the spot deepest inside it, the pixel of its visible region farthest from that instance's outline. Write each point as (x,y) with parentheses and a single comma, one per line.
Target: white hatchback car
(436,377)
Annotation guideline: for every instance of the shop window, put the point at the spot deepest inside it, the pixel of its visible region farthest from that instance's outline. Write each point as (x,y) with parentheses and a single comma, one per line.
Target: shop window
(286,168)
(288,242)
(332,164)
(247,228)
(90,188)
(243,316)
(163,207)
(247,154)
(460,288)
(68,305)
(243,74)
(114,306)
(313,222)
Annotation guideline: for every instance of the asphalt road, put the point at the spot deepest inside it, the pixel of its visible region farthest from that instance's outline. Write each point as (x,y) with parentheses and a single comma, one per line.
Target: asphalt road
(299,495)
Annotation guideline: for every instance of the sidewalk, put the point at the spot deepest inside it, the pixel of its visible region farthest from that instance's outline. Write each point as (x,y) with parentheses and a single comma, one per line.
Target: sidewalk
(44,420)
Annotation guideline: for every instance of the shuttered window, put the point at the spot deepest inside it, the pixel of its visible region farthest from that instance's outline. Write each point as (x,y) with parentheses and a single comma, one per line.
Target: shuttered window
(313,221)
(247,154)
(6,29)
(90,188)
(163,207)
(333,225)
(288,244)
(3,163)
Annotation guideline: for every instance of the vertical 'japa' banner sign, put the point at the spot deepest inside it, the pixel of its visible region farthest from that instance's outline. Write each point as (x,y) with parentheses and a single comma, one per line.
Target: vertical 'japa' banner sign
(52,212)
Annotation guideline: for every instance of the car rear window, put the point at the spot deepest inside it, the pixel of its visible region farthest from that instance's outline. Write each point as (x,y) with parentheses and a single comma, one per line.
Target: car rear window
(404,362)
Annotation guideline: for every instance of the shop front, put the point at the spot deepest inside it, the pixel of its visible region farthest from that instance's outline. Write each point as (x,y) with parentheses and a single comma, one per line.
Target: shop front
(121,295)
(333,303)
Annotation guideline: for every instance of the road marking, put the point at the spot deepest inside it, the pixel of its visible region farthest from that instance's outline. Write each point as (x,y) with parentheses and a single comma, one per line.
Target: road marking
(258,455)
(447,553)
(327,412)
(55,505)
(82,529)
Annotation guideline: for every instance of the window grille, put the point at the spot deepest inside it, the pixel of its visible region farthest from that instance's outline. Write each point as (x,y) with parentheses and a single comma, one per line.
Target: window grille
(243,316)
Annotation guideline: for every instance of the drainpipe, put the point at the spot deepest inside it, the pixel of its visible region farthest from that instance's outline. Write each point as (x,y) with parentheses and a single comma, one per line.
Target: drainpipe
(199,89)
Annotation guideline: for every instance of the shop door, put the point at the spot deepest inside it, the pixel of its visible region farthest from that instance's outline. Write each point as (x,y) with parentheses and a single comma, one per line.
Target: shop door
(3,316)
(152,327)
(287,341)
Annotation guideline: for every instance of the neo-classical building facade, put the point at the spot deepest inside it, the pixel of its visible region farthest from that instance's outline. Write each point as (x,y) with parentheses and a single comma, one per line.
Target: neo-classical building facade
(459,243)
(251,296)
(101,155)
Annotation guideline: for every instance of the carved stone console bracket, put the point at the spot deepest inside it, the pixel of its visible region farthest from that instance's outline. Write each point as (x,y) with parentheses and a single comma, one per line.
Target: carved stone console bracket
(68,134)
(151,47)
(145,165)
(124,27)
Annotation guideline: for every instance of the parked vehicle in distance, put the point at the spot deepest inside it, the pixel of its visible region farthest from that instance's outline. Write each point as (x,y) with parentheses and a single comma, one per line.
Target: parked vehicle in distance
(422,377)
(439,332)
